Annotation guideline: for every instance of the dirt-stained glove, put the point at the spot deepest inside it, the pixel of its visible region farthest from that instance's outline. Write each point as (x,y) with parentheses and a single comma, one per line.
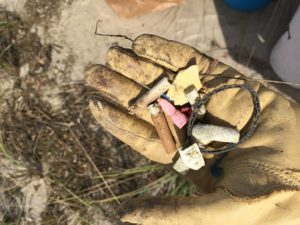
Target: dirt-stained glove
(261,178)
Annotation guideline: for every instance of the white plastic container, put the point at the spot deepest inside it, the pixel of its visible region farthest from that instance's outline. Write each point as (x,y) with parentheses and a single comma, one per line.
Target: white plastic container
(285,56)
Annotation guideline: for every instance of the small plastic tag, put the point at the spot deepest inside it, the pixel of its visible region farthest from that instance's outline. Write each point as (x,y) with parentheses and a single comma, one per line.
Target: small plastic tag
(191,94)
(178,118)
(192,157)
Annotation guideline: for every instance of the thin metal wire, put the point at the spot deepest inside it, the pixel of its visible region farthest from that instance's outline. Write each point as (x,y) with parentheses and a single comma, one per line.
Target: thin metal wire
(252,79)
(110,35)
(253,125)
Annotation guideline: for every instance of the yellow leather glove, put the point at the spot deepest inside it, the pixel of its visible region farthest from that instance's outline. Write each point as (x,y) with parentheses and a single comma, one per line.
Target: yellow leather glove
(261,178)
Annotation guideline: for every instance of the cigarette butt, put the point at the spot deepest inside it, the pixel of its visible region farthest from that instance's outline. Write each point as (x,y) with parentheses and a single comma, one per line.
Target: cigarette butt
(178,118)
(162,128)
(206,133)
(178,134)
(206,155)
(200,113)
(155,92)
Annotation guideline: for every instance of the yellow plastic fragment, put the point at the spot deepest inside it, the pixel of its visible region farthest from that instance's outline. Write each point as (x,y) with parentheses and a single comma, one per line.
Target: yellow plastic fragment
(184,79)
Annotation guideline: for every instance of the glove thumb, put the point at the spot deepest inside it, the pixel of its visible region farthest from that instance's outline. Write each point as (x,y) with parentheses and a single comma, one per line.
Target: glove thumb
(147,210)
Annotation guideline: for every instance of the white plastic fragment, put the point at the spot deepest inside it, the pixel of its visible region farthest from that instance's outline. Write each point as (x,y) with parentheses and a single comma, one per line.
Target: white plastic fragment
(24,70)
(191,94)
(192,157)
(153,109)
(206,133)
(201,112)
(180,167)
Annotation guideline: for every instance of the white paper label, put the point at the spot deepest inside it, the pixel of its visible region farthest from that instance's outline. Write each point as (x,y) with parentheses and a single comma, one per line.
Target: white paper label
(192,157)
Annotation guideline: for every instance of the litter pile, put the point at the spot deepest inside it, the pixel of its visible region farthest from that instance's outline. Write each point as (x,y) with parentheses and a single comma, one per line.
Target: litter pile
(176,105)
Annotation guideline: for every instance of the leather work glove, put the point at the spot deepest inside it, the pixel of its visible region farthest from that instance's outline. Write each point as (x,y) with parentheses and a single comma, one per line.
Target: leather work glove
(261,177)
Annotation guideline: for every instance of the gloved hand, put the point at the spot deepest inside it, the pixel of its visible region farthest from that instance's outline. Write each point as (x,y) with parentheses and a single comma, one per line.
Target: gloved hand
(261,178)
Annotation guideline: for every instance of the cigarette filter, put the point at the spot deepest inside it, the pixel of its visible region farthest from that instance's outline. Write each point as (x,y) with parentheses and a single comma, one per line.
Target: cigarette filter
(206,133)
(155,92)
(162,128)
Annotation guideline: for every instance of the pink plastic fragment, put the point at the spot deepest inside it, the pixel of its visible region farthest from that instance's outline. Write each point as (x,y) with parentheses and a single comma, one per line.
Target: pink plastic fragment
(178,118)
(187,111)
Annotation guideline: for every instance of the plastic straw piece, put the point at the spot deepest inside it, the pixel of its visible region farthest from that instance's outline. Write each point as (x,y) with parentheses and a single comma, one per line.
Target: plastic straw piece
(178,118)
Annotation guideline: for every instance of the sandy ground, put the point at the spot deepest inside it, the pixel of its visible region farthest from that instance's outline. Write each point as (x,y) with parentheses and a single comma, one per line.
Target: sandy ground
(242,40)
(197,23)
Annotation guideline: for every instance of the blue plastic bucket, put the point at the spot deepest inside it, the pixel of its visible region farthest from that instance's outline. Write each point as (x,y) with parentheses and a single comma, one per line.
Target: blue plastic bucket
(247,5)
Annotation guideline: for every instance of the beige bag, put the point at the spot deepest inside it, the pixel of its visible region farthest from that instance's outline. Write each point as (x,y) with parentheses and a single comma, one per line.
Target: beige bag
(261,176)
(133,8)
